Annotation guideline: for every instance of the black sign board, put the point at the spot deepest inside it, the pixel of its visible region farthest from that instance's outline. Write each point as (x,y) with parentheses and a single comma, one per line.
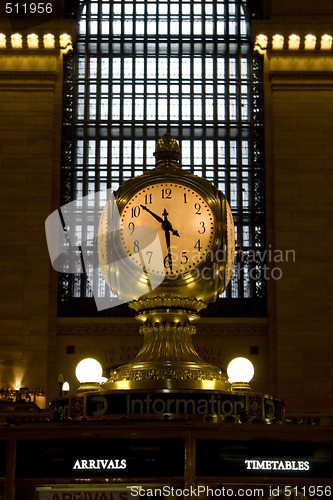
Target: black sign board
(3,448)
(86,458)
(263,458)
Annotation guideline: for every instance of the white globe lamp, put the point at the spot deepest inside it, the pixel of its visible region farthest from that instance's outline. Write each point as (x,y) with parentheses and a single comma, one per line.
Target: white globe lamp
(89,372)
(240,372)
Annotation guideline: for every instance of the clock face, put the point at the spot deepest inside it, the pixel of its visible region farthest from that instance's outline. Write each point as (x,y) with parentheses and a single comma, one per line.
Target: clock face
(184,224)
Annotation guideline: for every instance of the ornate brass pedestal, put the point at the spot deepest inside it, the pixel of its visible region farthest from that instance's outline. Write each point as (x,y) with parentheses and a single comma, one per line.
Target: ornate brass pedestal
(168,359)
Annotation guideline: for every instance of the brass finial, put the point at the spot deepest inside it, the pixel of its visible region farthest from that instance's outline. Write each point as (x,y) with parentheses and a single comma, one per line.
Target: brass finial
(167,148)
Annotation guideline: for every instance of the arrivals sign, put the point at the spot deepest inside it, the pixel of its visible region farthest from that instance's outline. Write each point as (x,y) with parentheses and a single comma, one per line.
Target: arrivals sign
(104,457)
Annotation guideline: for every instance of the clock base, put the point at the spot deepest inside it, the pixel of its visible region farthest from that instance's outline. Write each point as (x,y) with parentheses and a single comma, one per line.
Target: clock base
(168,359)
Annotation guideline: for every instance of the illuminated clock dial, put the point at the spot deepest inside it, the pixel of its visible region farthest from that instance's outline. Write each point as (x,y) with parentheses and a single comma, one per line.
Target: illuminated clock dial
(183,221)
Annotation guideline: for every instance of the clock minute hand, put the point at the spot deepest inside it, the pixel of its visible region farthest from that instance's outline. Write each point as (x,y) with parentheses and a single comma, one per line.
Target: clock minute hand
(157,217)
(167,239)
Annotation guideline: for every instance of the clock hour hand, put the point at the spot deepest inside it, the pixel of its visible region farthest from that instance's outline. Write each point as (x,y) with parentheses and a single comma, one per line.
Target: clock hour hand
(167,226)
(157,217)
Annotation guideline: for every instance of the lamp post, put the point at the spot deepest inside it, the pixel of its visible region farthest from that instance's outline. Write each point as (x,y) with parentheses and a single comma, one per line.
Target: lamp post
(61,380)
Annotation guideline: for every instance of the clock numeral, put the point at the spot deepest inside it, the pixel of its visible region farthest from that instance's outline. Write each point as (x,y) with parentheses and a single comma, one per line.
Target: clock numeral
(131,227)
(136,247)
(136,211)
(185,199)
(202,230)
(184,258)
(167,261)
(148,199)
(197,207)
(198,246)
(166,193)
(150,256)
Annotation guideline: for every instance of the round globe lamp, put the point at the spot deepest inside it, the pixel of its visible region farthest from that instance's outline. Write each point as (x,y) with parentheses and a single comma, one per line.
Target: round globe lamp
(89,372)
(240,372)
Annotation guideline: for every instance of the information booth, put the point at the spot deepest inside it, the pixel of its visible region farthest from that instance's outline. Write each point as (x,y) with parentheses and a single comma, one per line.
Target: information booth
(161,459)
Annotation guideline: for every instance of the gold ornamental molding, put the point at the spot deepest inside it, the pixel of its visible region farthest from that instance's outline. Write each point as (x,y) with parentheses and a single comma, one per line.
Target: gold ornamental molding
(39,81)
(245,330)
(301,80)
(93,330)
(28,75)
(131,329)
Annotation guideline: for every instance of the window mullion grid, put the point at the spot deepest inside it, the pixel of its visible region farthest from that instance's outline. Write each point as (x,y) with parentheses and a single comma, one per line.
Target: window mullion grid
(239,143)
(203,22)
(168,83)
(191,96)
(81,278)
(72,186)
(88,17)
(145,100)
(239,283)
(69,149)
(227,125)
(180,84)
(157,133)
(85,118)
(133,119)
(258,202)
(98,119)
(253,213)
(121,114)
(192,100)
(216,123)
(203,109)
(109,122)
(97,186)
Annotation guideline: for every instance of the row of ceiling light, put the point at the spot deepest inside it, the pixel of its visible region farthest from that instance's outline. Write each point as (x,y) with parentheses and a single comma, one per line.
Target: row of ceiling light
(277,41)
(292,42)
(33,41)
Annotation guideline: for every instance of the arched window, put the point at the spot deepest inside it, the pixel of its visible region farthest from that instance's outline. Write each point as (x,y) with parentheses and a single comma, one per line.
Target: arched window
(149,67)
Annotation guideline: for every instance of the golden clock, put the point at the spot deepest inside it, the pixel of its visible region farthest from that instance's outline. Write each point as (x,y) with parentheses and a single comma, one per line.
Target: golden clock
(183,220)
(174,238)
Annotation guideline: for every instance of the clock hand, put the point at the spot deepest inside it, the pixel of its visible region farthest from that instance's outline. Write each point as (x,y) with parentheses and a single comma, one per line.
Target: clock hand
(167,239)
(167,226)
(157,217)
